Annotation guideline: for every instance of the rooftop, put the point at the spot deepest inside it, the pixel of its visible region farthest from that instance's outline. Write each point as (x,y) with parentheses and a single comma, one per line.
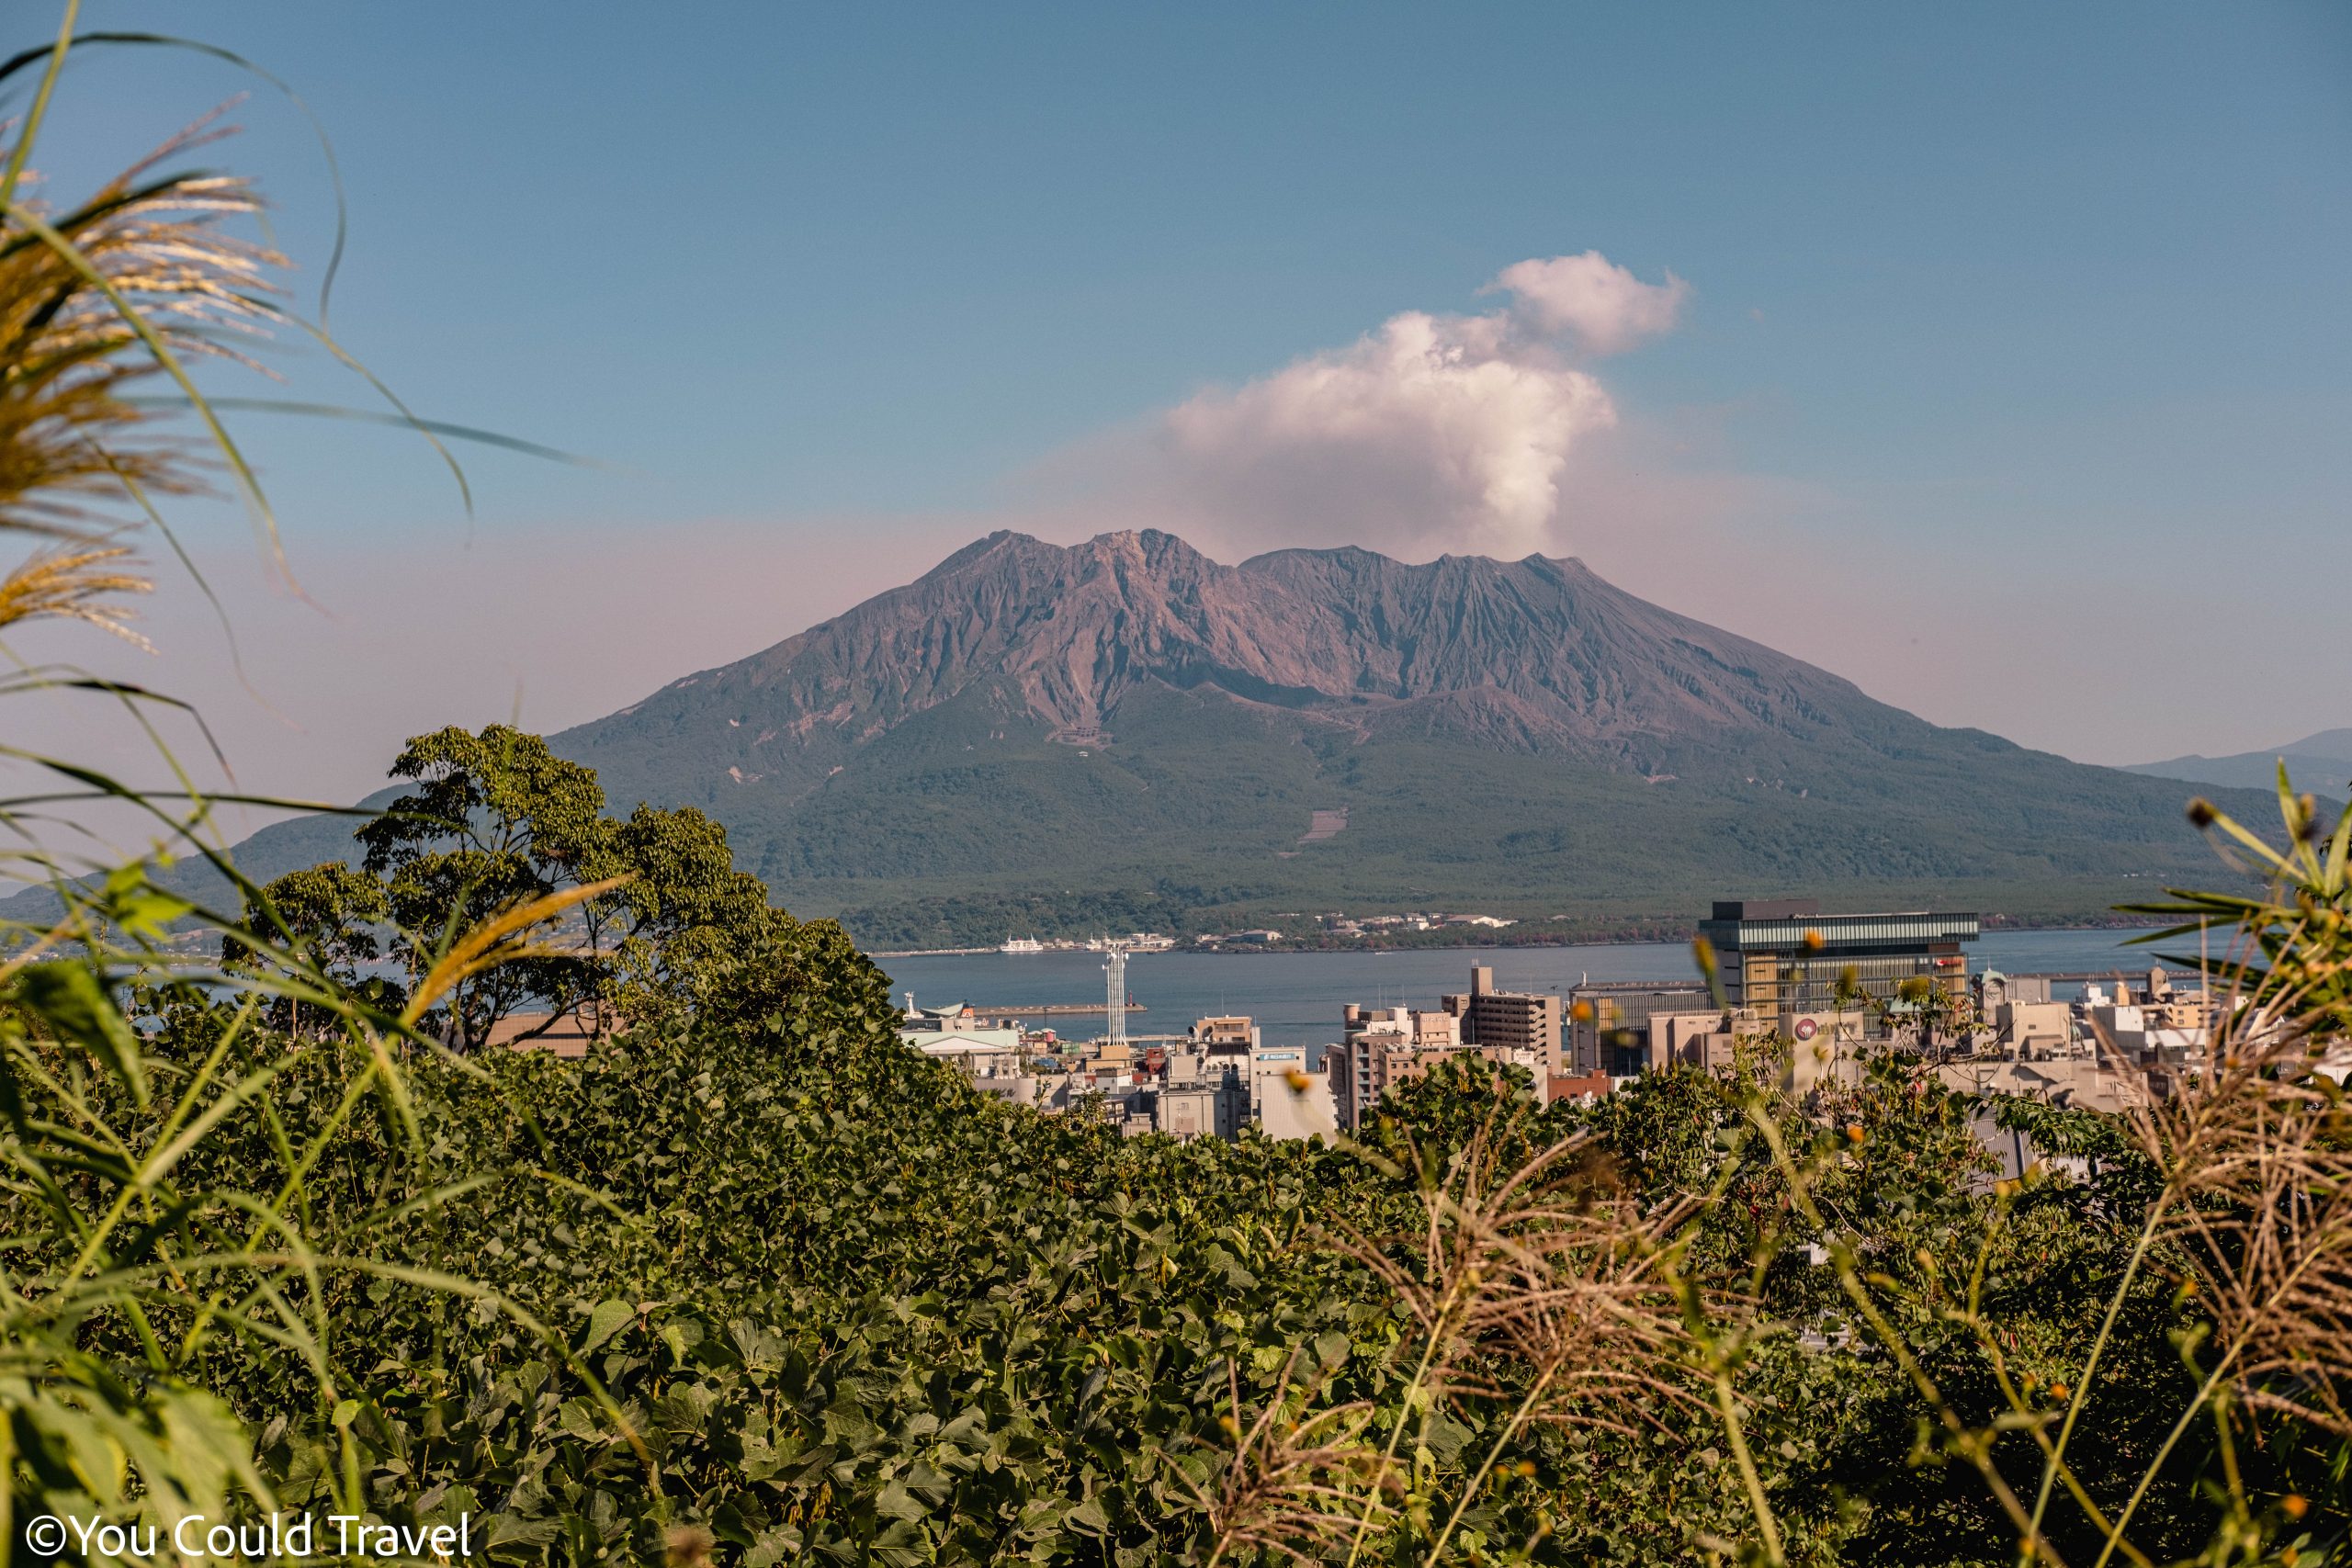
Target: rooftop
(1752,929)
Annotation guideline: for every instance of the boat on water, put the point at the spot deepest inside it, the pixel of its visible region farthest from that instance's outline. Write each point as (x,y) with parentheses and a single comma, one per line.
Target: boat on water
(1134,942)
(1022,944)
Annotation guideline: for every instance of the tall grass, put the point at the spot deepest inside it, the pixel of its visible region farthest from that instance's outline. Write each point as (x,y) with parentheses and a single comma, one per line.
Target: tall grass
(132,1264)
(1546,1287)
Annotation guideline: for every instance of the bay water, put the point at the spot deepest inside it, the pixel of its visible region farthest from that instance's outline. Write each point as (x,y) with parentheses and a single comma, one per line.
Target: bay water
(1294,998)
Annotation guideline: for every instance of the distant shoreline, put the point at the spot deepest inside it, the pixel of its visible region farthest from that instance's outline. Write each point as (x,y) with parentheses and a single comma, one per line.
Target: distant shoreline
(1485,937)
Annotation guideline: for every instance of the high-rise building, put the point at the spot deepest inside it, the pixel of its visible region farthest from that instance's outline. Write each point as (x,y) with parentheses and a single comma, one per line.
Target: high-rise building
(1508,1022)
(1783,958)
(1375,1046)
(1382,1047)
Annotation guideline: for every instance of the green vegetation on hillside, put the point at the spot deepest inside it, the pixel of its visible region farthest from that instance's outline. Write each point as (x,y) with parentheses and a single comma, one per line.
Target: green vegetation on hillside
(780,1290)
(1200,831)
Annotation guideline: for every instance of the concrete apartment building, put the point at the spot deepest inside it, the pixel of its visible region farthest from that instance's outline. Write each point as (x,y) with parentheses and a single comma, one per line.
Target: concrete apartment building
(1509,1020)
(1202,1094)
(1381,1048)
(1288,1100)
(1378,1046)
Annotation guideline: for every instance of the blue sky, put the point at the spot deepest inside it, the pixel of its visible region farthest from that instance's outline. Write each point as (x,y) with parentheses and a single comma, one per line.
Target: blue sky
(2001,321)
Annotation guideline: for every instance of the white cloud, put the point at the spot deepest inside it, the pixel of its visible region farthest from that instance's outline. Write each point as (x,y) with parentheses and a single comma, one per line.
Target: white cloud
(1603,306)
(1433,426)
(1432,433)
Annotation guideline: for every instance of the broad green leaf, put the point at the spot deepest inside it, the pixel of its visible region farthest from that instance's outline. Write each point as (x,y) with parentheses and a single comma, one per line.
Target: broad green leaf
(609,1319)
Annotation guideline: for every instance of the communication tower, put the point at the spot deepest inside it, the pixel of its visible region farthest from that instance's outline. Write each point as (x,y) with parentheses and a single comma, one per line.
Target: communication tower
(1114,969)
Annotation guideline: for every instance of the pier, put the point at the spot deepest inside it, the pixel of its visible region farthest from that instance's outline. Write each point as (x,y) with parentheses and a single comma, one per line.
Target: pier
(2172,972)
(1049,1009)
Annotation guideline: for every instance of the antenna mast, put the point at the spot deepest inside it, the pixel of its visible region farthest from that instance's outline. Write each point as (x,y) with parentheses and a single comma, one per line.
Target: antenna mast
(1115,969)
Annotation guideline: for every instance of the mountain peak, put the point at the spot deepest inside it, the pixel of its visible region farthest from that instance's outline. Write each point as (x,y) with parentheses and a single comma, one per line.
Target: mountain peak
(1062,636)
(2321,762)
(978,550)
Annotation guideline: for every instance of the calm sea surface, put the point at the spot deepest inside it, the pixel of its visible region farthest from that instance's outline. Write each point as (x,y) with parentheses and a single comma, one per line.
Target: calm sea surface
(1295,997)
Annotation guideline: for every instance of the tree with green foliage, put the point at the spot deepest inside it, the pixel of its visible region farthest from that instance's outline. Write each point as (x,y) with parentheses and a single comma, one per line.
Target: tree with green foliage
(495,821)
(498,819)
(685,919)
(330,912)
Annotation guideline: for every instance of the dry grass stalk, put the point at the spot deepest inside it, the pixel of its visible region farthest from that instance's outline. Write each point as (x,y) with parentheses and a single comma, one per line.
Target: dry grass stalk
(1548,1267)
(69,438)
(75,585)
(2257,1155)
(1297,1481)
(1587,1300)
(1538,1283)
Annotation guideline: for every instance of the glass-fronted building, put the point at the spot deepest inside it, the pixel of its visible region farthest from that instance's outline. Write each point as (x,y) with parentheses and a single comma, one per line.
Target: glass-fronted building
(1784,957)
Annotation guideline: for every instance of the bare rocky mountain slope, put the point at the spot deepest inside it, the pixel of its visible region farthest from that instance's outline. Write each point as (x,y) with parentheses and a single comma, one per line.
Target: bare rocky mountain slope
(1536,656)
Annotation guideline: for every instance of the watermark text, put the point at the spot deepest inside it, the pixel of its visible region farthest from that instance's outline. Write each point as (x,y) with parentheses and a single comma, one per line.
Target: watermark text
(279,1538)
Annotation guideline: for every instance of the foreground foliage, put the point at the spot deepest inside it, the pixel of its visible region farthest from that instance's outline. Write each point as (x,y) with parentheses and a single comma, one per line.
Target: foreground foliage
(841,1306)
(817,1299)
